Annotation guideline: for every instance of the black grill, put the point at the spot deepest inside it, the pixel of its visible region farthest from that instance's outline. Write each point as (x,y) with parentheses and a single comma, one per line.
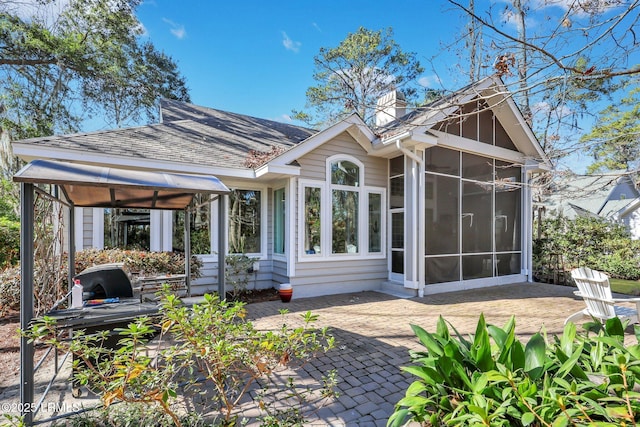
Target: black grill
(105,281)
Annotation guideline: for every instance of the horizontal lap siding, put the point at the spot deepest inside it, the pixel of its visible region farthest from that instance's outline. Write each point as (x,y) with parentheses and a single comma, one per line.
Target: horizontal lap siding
(208,282)
(339,276)
(87,228)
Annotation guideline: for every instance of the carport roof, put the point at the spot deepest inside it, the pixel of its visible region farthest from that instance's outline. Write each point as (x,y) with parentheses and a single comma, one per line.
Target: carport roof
(97,186)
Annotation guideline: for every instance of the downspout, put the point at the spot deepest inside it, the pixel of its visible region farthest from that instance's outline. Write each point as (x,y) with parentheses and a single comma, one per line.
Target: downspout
(416,213)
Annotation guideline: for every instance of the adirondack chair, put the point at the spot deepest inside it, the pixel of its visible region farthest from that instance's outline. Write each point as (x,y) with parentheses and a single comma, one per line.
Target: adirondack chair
(594,288)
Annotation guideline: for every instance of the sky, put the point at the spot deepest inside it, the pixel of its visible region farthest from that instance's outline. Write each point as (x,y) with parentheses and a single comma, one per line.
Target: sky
(256,57)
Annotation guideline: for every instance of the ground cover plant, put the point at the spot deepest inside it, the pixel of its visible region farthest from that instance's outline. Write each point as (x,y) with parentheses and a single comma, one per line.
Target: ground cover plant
(208,346)
(491,378)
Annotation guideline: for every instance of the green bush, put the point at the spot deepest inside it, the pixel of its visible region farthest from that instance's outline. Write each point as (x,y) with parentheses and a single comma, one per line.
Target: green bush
(493,379)
(9,242)
(208,350)
(138,262)
(590,242)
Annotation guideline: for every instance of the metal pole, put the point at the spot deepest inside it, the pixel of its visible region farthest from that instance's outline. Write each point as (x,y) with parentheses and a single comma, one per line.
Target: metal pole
(72,247)
(187,250)
(222,245)
(26,299)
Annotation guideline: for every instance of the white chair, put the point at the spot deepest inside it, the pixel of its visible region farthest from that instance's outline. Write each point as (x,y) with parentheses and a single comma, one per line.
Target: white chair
(594,288)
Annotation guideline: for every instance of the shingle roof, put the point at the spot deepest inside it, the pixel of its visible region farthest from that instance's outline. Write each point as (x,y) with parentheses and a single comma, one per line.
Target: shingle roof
(188,134)
(575,195)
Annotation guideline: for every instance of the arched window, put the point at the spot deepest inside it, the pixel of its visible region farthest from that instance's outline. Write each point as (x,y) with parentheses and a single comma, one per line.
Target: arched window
(341,217)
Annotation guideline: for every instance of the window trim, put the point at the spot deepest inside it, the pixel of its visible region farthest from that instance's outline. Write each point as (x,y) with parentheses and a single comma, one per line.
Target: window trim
(264,225)
(326,189)
(276,255)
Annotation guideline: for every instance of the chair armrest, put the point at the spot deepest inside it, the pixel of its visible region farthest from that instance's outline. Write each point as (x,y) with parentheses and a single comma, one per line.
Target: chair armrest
(637,299)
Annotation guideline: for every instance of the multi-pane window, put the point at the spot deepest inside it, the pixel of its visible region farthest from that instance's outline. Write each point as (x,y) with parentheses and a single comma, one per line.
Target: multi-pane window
(341,216)
(127,228)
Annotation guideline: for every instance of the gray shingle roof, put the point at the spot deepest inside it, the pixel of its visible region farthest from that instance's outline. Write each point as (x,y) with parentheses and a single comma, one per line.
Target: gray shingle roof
(188,134)
(575,195)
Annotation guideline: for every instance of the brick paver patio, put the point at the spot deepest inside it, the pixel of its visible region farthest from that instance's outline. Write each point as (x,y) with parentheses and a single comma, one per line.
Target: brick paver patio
(374,336)
(373,339)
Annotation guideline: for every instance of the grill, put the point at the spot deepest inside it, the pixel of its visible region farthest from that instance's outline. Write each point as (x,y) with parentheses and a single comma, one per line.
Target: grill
(101,282)
(105,281)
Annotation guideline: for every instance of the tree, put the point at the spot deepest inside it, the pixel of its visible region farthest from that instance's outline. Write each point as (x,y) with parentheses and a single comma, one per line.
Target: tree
(614,141)
(57,69)
(352,76)
(558,58)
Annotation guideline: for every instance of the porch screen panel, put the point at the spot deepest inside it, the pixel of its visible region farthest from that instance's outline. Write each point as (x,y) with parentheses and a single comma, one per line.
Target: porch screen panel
(476,217)
(442,269)
(442,215)
(397,242)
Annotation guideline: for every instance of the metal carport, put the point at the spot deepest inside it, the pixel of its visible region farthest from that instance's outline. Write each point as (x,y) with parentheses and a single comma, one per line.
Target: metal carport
(84,185)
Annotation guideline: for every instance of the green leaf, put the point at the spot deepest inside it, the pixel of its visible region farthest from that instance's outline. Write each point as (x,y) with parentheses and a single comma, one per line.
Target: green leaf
(527,418)
(534,356)
(481,350)
(442,329)
(397,419)
(567,338)
(429,375)
(428,340)
(561,421)
(614,327)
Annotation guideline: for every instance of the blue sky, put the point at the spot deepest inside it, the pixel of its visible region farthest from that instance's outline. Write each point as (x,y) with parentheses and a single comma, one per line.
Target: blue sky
(256,57)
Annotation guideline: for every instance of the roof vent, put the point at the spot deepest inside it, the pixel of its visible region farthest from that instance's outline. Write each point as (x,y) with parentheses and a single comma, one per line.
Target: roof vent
(390,107)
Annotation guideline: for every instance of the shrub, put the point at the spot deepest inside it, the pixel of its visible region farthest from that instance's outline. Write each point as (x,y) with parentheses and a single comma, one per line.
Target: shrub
(138,262)
(211,339)
(591,242)
(9,242)
(494,379)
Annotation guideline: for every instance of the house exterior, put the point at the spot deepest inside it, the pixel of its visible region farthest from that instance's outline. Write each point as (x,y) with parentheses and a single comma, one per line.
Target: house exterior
(429,201)
(613,197)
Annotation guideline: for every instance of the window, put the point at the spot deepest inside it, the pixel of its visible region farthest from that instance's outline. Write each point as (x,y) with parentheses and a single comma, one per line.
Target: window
(375,222)
(244,222)
(278,220)
(312,220)
(341,217)
(199,225)
(127,229)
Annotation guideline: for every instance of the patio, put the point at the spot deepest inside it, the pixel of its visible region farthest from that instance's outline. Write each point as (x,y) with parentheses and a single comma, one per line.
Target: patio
(373,338)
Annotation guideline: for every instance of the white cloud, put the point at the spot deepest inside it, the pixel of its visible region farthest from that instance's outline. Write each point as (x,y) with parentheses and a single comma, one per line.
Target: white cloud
(429,81)
(177,30)
(316,26)
(290,44)
(545,107)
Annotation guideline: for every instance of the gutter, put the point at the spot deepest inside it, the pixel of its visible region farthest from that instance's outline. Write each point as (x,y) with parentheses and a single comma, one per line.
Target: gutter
(415,204)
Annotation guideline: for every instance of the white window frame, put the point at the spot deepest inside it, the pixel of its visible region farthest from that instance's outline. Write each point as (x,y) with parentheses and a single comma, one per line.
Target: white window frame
(264,225)
(282,256)
(326,189)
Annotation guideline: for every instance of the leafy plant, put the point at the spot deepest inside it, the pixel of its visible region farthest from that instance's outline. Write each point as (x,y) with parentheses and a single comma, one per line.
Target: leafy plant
(494,379)
(207,344)
(592,242)
(238,271)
